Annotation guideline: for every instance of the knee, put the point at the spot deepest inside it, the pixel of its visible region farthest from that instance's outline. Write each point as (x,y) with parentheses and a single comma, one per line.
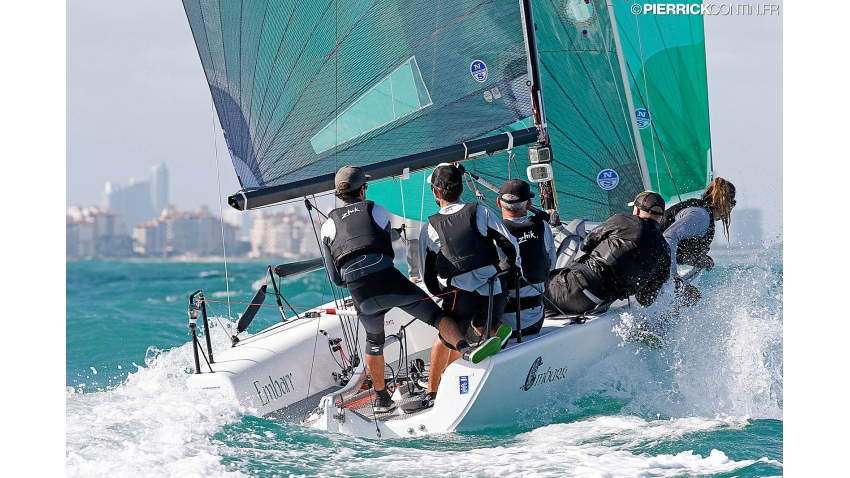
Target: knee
(450,346)
(375,343)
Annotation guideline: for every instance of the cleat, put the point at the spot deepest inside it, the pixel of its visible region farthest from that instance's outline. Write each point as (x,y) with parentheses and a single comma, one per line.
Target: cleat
(476,354)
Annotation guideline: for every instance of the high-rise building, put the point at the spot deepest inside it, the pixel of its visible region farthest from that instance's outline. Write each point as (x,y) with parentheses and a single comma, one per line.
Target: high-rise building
(284,234)
(159,187)
(186,233)
(140,201)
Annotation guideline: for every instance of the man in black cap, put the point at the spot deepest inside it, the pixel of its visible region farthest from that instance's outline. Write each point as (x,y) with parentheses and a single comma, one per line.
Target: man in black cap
(625,255)
(462,245)
(538,253)
(358,254)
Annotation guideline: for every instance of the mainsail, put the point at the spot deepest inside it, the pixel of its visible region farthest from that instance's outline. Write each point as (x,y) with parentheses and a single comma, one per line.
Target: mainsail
(302,88)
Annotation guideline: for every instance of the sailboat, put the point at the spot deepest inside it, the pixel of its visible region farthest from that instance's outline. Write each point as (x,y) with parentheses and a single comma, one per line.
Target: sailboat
(587,100)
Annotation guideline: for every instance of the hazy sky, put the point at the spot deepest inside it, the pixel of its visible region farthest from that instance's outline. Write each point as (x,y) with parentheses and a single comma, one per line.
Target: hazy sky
(136,96)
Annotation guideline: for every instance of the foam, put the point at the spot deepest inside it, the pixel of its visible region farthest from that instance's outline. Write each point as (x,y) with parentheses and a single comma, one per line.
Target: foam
(603,447)
(150,425)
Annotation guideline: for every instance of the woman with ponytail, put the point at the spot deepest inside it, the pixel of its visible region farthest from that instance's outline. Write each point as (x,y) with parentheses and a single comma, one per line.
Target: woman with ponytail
(689,225)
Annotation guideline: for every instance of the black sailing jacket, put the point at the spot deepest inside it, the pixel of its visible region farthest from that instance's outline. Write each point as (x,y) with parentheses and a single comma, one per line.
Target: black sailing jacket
(625,255)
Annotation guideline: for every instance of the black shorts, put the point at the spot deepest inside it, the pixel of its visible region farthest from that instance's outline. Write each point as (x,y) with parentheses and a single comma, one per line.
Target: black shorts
(375,294)
(566,291)
(471,307)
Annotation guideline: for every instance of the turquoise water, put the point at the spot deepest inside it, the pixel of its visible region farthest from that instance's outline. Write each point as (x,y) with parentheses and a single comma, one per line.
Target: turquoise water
(709,403)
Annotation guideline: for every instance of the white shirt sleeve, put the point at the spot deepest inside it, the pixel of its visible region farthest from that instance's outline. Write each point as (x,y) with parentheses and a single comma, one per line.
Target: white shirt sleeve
(690,222)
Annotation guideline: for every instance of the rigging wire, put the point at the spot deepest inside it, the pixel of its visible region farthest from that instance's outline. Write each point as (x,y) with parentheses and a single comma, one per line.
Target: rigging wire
(220,211)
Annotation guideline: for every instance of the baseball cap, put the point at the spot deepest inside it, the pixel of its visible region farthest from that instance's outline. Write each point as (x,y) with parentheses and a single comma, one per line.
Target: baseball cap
(447,176)
(650,202)
(515,190)
(352,175)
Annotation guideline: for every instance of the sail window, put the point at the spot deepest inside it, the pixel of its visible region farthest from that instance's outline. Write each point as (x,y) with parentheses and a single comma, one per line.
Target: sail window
(399,94)
(579,12)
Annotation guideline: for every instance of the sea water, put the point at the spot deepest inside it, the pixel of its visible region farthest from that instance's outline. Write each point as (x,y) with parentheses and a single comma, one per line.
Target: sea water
(709,402)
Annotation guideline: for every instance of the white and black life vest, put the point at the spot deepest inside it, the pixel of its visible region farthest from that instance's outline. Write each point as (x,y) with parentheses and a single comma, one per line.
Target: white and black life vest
(357,233)
(462,247)
(532,250)
(692,248)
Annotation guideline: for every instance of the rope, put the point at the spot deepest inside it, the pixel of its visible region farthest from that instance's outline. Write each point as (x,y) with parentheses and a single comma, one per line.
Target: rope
(220,212)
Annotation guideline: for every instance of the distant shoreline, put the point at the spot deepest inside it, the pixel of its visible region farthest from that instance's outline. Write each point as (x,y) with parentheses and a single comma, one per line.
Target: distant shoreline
(217,259)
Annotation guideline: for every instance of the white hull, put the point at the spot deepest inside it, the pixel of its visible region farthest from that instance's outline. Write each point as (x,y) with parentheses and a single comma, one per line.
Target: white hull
(277,373)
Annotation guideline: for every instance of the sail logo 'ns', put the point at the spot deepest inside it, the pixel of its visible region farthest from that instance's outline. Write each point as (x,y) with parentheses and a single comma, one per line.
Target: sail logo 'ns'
(350,212)
(478,69)
(642,117)
(607,179)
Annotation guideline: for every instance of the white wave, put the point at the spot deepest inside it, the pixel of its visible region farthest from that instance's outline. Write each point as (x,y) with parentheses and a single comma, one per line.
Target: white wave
(600,447)
(151,425)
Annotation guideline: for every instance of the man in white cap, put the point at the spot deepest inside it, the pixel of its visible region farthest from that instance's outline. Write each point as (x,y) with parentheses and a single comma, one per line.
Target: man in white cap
(358,254)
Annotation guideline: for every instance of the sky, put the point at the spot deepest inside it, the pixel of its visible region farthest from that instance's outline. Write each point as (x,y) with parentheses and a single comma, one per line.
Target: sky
(112,88)
(136,96)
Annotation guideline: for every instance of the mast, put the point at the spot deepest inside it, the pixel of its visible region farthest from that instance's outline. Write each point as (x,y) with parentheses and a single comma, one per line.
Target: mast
(541,155)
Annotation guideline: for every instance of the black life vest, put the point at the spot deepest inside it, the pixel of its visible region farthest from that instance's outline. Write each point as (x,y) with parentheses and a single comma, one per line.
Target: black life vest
(532,250)
(631,254)
(692,248)
(357,233)
(462,247)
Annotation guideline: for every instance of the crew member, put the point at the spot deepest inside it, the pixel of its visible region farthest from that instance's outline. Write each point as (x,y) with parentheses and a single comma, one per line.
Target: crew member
(625,255)
(688,226)
(358,254)
(538,253)
(462,245)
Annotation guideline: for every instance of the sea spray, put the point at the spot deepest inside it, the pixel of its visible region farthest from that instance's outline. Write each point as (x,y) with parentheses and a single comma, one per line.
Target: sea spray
(149,425)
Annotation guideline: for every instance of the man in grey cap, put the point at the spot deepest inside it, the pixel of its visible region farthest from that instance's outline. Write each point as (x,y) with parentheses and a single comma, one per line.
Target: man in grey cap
(625,255)
(358,254)
(538,253)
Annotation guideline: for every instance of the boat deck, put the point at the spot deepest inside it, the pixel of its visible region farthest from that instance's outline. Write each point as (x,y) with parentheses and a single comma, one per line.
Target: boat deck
(361,403)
